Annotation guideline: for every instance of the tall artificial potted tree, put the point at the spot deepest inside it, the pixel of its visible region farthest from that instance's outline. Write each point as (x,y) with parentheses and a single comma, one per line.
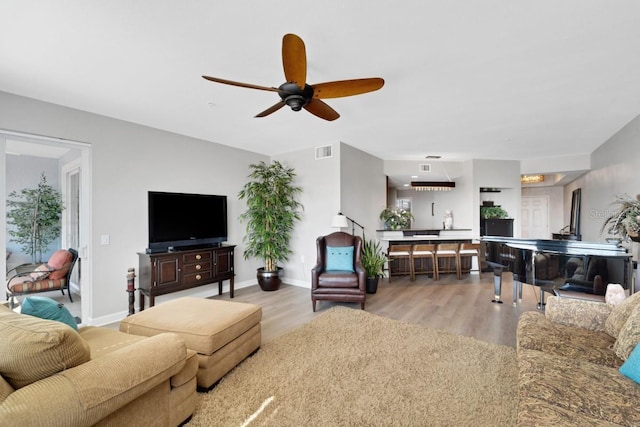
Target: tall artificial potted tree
(36,216)
(272,210)
(373,259)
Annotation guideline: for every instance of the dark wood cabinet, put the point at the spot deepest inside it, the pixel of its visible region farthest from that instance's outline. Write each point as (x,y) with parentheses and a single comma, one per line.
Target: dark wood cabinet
(166,272)
(496,227)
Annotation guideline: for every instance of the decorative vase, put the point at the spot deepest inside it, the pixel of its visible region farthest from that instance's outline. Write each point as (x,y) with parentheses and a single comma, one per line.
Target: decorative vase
(269,280)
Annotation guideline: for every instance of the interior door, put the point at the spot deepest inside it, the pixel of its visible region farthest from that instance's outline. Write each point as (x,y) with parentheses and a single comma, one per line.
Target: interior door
(71,216)
(535,217)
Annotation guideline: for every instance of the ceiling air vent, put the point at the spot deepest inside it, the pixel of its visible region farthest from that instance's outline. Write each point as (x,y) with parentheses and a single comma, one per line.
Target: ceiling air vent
(426,167)
(324,152)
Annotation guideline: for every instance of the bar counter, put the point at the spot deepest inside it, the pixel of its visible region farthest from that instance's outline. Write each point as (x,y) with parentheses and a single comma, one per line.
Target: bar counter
(426,236)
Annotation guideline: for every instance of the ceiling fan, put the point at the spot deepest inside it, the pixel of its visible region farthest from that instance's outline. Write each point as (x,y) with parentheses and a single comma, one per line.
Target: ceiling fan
(297,94)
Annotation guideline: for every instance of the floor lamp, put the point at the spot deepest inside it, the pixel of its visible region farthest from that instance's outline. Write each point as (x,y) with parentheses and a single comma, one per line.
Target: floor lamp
(341,221)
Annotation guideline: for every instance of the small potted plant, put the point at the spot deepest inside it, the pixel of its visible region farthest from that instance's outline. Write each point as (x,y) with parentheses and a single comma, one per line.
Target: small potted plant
(493,212)
(272,211)
(625,221)
(373,259)
(395,219)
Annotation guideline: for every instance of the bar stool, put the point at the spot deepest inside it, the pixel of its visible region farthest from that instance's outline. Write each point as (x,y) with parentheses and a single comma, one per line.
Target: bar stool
(401,254)
(448,252)
(467,252)
(422,253)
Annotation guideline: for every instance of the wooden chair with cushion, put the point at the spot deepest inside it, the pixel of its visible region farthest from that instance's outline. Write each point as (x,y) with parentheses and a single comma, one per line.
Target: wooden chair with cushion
(400,255)
(448,253)
(338,274)
(53,275)
(421,254)
(467,252)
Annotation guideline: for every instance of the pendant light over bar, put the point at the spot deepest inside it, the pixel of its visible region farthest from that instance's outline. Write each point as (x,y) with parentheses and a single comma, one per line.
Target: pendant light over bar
(433,185)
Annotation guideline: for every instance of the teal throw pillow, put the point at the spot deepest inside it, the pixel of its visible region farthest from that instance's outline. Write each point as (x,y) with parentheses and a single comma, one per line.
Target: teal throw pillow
(340,258)
(631,367)
(46,308)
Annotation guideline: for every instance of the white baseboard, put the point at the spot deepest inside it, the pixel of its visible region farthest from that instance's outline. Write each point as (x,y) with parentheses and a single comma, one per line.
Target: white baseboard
(199,292)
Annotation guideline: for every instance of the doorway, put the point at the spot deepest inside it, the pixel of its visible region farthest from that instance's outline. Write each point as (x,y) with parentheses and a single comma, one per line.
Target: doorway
(70,186)
(69,163)
(535,217)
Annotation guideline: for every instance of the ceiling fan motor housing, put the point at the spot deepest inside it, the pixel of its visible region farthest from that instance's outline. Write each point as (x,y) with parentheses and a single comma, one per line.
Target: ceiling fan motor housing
(294,96)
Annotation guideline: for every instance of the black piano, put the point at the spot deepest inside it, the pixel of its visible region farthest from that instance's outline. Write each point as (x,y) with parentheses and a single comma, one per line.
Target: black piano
(557,266)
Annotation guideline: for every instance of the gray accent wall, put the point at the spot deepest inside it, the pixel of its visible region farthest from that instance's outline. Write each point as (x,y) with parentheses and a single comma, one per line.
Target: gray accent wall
(128,160)
(350,181)
(615,170)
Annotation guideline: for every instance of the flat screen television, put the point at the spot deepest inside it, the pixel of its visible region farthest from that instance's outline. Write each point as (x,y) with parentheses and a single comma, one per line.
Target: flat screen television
(186,221)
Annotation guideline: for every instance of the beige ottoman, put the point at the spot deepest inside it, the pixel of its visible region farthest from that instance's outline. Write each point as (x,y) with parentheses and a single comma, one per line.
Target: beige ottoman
(223,333)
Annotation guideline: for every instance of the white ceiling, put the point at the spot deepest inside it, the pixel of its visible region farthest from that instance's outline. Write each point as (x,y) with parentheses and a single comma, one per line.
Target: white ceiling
(497,79)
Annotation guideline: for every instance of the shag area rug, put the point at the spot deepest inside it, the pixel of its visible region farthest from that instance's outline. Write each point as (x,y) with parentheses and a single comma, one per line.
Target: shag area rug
(347,367)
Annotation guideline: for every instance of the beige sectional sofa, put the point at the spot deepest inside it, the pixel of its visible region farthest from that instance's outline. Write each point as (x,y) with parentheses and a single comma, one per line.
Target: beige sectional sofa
(569,359)
(51,374)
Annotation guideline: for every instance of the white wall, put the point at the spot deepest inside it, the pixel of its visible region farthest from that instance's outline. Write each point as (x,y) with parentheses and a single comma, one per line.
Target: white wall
(502,174)
(459,199)
(127,161)
(465,199)
(351,182)
(616,170)
(320,182)
(362,188)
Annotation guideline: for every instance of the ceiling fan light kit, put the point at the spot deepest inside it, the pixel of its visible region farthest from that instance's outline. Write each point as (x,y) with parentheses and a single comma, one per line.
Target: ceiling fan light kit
(297,94)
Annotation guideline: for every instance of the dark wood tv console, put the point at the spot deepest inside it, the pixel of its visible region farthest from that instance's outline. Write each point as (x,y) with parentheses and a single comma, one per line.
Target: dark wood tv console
(166,272)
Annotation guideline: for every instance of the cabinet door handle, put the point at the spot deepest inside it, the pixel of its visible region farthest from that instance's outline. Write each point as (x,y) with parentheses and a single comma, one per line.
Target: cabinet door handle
(198,256)
(198,277)
(198,267)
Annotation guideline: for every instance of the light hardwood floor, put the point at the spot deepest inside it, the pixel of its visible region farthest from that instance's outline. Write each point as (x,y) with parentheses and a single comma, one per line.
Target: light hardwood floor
(462,307)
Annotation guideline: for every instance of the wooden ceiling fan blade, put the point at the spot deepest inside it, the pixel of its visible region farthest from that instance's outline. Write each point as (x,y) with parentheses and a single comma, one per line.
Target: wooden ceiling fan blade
(294,60)
(247,85)
(321,109)
(342,88)
(271,109)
